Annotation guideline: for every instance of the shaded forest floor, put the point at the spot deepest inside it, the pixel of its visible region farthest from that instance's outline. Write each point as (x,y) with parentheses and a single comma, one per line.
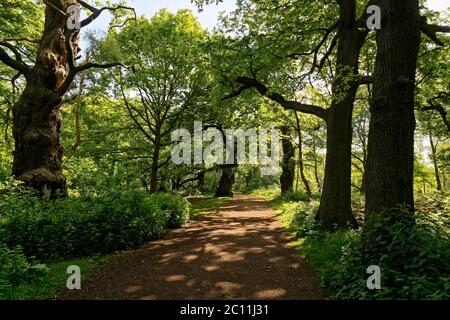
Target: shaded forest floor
(239,252)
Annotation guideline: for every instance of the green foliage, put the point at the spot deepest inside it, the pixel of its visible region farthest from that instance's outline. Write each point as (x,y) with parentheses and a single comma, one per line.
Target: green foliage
(47,284)
(86,225)
(249,178)
(412,252)
(176,208)
(410,248)
(15,268)
(413,255)
(299,217)
(293,196)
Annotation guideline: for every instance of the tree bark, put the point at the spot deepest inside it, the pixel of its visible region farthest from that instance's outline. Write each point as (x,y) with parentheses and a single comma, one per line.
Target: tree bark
(288,163)
(227,179)
(37,119)
(391,135)
(155,162)
(201,181)
(316,167)
(335,204)
(435,164)
(301,164)
(36,116)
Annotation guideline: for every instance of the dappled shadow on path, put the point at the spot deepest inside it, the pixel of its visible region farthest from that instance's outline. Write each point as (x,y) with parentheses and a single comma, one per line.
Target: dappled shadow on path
(240,252)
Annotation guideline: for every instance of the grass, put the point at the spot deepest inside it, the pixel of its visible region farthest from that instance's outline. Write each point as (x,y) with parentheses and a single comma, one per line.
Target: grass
(48,286)
(206,205)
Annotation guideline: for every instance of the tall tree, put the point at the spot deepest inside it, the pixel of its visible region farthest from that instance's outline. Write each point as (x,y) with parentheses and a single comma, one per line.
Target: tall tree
(169,79)
(36,115)
(390,163)
(343,39)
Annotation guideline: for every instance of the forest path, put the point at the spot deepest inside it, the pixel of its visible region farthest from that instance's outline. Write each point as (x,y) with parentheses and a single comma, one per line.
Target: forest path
(240,252)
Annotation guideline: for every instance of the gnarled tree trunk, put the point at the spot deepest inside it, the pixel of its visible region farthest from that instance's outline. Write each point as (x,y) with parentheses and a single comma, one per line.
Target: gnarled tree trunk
(36,116)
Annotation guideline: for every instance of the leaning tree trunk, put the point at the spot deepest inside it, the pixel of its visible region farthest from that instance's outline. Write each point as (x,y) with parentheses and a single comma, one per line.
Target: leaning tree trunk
(288,163)
(391,136)
(36,116)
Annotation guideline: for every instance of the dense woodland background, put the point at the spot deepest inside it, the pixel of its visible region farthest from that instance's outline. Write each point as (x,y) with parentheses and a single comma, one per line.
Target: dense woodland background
(365,172)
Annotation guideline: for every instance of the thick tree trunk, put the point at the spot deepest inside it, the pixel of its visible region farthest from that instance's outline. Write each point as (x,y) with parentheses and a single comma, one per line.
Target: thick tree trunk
(225,188)
(392,124)
(36,129)
(335,205)
(435,164)
(288,163)
(37,120)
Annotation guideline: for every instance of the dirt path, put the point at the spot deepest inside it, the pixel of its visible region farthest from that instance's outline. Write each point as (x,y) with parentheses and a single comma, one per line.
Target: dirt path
(241,252)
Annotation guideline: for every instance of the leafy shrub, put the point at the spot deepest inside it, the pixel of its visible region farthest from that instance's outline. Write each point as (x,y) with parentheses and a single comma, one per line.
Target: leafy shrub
(300,217)
(87,225)
(294,196)
(15,269)
(411,250)
(177,208)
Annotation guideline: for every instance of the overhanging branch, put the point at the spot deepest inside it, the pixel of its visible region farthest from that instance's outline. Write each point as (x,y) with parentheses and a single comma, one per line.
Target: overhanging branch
(12,63)
(431,31)
(248,83)
(96,12)
(89,65)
